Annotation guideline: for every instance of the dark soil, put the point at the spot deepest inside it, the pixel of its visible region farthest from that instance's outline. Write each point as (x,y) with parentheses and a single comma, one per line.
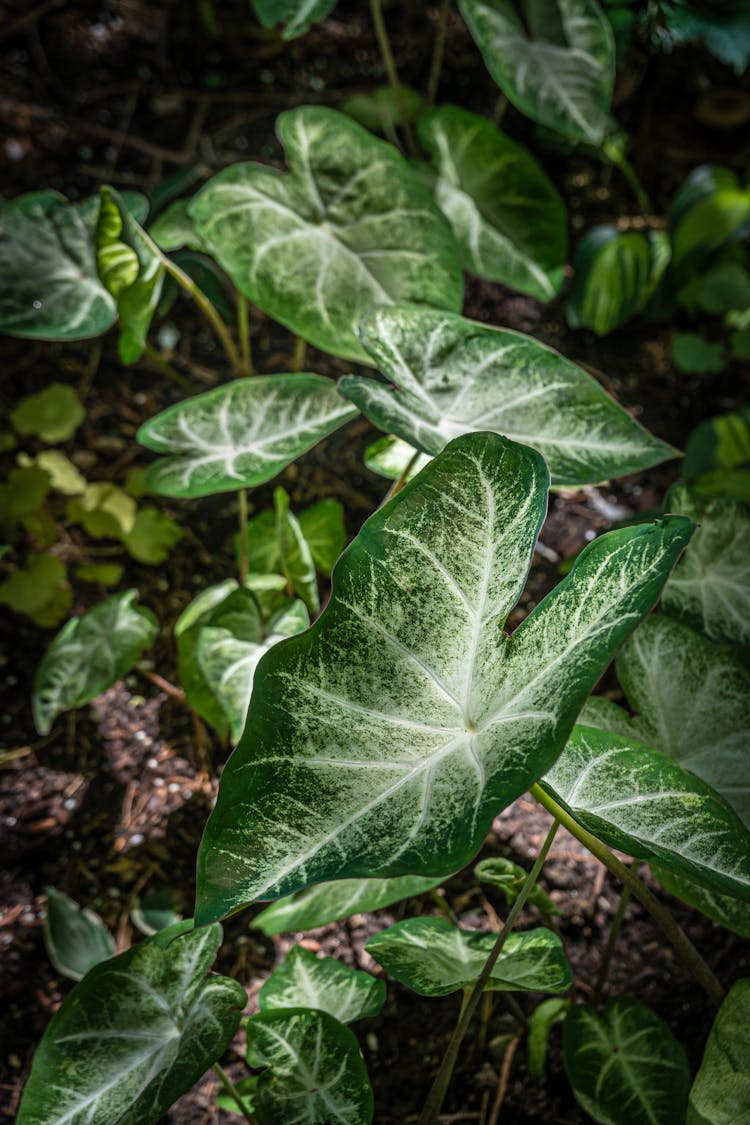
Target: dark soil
(113,801)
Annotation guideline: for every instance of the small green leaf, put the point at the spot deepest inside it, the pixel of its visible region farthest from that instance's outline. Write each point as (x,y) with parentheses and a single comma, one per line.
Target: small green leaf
(152,536)
(382,111)
(35,586)
(104,511)
(136,1033)
(75,939)
(615,273)
(241,434)
(174,229)
(720,1094)
(53,414)
(109,574)
(187,631)
(723,288)
(509,878)
(543,1019)
(21,495)
(247,1088)
(313,1073)
(64,477)
(89,654)
(434,958)
(709,211)
(694,355)
(625,1067)
(304,980)
(717,458)
(322,526)
(295,15)
(294,554)
(155,912)
(329,902)
(391,457)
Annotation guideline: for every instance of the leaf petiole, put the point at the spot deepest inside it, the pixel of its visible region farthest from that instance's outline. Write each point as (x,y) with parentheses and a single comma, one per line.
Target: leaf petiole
(233,1092)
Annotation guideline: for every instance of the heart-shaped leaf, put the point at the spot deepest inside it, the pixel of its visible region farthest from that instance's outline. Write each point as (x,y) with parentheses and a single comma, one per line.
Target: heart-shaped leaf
(75,939)
(710,587)
(304,980)
(314,1070)
(554,59)
(89,654)
(641,802)
(295,556)
(615,273)
(508,219)
(135,1034)
(625,1067)
(328,902)
(187,631)
(434,958)
(350,226)
(387,737)
(295,15)
(241,434)
(449,376)
(720,1094)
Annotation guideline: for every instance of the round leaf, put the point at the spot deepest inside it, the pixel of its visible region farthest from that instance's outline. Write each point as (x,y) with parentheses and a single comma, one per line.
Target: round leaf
(53,414)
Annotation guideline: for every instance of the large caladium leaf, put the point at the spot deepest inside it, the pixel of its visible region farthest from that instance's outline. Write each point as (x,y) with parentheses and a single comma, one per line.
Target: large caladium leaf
(724,909)
(642,802)
(350,226)
(448,376)
(720,1094)
(88,654)
(710,587)
(691,700)
(554,59)
(434,957)
(386,737)
(314,1073)
(295,16)
(240,434)
(508,219)
(625,1067)
(304,980)
(135,1034)
(329,902)
(615,274)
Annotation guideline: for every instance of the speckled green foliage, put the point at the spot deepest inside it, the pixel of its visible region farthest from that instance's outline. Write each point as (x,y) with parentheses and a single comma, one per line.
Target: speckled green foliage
(350,226)
(295,15)
(386,738)
(135,1034)
(615,274)
(434,958)
(720,1094)
(304,980)
(449,376)
(328,902)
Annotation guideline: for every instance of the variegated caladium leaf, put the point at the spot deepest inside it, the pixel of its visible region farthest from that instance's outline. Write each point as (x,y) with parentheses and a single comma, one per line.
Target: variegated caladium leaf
(303,980)
(615,274)
(509,221)
(295,16)
(724,909)
(76,939)
(391,457)
(314,1073)
(136,1033)
(449,376)
(386,738)
(641,802)
(295,556)
(434,958)
(691,700)
(241,434)
(710,587)
(553,59)
(625,1067)
(328,902)
(720,1094)
(89,654)
(350,226)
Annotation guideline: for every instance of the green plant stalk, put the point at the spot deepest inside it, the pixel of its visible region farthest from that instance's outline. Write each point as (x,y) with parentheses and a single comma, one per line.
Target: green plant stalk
(389,63)
(621,162)
(438,52)
(614,933)
(233,1092)
(402,480)
(661,915)
(243,332)
(208,310)
(166,368)
(436,1096)
(300,353)
(242,509)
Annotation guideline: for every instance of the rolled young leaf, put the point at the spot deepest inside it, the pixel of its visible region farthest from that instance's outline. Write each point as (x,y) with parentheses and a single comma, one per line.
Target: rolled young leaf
(135,1034)
(241,434)
(304,980)
(386,737)
(449,376)
(508,878)
(615,273)
(720,1094)
(329,902)
(350,226)
(434,958)
(89,654)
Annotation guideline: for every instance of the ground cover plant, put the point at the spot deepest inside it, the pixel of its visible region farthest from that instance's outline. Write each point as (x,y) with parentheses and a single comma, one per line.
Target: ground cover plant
(422,601)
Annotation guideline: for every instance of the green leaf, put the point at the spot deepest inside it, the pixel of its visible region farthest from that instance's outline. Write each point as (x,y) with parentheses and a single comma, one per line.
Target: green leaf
(75,939)
(53,414)
(643,803)
(626,1068)
(89,654)
(723,28)
(174,229)
(152,536)
(720,1094)
(35,587)
(695,355)
(615,273)
(64,477)
(187,632)
(723,288)
(135,1034)
(109,574)
(322,526)
(553,59)
(50,289)
(246,1088)
(304,980)
(509,878)
(387,737)
(434,958)
(294,554)
(508,219)
(717,458)
(314,1070)
(449,376)
(709,211)
(155,912)
(391,457)
(380,109)
(724,909)
(349,227)
(241,434)
(295,15)
(104,511)
(21,495)
(710,586)
(329,902)
(543,1019)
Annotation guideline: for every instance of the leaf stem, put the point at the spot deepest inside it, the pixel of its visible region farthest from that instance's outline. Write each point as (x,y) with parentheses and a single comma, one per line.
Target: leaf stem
(621,162)
(233,1092)
(661,915)
(381,34)
(438,52)
(166,368)
(300,353)
(403,479)
(243,332)
(614,933)
(208,311)
(242,511)
(436,1096)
